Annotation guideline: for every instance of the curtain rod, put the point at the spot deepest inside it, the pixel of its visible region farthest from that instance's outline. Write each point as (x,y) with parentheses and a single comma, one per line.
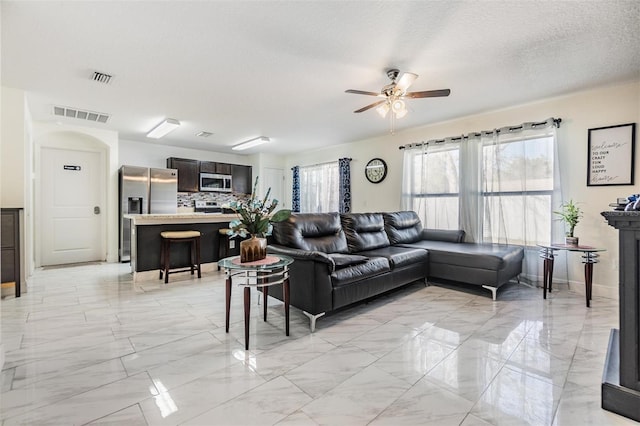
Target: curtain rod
(322,164)
(556,123)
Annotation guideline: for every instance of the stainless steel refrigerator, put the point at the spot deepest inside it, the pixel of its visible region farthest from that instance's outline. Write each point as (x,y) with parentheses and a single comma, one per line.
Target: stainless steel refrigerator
(143,190)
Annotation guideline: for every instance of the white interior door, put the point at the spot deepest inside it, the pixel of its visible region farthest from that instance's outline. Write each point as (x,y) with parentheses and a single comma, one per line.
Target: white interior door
(71,214)
(274,178)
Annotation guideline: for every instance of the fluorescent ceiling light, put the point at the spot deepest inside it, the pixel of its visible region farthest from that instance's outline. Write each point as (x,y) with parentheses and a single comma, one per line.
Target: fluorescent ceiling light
(251,143)
(163,128)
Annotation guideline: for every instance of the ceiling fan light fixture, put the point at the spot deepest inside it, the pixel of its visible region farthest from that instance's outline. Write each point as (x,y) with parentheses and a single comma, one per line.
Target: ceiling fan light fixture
(251,143)
(163,128)
(398,106)
(383,109)
(401,113)
(394,94)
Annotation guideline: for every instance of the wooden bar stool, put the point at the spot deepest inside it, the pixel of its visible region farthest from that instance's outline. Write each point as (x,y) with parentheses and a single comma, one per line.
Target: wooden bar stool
(223,246)
(168,237)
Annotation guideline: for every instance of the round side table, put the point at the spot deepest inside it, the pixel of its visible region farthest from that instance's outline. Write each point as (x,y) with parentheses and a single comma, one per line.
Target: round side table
(272,270)
(589,257)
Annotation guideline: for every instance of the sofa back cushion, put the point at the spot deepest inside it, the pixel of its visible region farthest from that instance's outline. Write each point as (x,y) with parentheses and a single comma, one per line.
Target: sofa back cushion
(448,235)
(403,227)
(364,231)
(311,231)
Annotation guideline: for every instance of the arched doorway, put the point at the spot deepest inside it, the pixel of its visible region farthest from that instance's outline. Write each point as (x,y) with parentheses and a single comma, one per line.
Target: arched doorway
(71,199)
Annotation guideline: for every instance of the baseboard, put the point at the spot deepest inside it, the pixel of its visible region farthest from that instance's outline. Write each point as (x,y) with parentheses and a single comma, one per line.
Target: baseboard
(577,286)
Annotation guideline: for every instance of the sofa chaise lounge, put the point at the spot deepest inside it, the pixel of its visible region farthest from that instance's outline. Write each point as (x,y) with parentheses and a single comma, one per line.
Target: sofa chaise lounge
(342,259)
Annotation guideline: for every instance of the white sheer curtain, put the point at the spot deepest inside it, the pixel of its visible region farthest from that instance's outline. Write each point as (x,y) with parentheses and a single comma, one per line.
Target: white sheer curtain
(431,183)
(503,187)
(319,188)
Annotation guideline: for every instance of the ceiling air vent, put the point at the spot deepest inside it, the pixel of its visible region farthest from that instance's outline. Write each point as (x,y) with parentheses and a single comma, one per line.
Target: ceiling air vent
(101,77)
(98,117)
(204,134)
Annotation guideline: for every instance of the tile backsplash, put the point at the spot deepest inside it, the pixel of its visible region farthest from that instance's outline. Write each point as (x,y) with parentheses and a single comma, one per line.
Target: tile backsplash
(187,199)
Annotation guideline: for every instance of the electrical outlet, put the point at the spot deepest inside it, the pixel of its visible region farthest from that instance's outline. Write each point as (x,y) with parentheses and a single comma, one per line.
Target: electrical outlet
(232,244)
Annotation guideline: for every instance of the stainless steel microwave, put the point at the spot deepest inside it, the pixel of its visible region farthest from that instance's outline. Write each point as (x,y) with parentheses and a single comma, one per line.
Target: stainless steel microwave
(215,182)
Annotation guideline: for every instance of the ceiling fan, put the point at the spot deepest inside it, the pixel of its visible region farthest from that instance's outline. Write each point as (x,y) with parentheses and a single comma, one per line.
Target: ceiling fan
(394,94)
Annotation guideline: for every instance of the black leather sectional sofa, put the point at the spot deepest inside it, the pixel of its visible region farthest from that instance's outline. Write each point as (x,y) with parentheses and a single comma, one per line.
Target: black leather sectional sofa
(341,259)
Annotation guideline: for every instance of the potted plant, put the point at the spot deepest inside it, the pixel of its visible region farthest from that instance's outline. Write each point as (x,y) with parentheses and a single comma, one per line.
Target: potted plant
(256,216)
(570,213)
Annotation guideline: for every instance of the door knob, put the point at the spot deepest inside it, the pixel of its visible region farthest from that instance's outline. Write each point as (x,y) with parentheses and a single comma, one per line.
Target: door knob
(96,210)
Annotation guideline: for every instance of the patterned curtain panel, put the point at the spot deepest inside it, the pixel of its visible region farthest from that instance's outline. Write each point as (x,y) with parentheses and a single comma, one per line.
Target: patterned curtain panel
(344,165)
(295,198)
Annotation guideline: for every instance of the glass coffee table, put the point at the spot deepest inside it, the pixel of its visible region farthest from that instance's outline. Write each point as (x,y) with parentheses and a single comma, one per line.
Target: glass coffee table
(272,270)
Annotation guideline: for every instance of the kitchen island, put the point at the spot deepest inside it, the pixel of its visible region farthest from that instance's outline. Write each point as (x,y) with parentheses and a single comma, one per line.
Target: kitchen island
(145,239)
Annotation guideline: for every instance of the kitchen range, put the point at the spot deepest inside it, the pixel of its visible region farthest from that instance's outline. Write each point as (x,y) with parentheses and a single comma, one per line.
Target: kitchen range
(210,207)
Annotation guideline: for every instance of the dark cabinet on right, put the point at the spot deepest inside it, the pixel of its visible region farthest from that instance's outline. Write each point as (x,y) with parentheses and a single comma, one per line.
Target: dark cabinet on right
(242,178)
(188,173)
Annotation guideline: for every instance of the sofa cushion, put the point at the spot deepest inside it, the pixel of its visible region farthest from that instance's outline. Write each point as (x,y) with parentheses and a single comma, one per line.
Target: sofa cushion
(341,260)
(311,231)
(350,274)
(450,235)
(471,255)
(399,256)
(402,227)
(364,231)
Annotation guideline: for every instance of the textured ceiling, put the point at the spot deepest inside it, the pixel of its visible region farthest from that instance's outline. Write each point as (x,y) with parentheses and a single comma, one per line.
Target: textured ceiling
(280,68)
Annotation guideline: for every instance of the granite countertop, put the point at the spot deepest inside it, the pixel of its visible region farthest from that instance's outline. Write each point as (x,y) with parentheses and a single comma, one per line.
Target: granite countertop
(158,219)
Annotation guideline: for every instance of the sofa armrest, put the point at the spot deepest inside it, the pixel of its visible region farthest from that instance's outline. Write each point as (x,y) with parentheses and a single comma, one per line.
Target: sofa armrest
(298,254)
(310,275)
(452,236)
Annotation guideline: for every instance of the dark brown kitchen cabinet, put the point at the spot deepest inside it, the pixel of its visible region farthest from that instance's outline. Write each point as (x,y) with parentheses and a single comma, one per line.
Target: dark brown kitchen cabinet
(10,236)
(207,167)
(223,168)
(188,173)
(213,167)
(242,178)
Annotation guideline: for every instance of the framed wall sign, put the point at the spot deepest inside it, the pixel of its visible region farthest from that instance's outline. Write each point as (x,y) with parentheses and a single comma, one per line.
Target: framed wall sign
(611,153)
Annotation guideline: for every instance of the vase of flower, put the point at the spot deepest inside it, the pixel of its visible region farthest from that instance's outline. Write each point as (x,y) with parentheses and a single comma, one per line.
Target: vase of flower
(255,218)
(253,249)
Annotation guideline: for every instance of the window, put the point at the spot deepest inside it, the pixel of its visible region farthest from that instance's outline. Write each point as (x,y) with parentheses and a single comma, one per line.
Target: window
(499,186)
(319,188)
(435,186)
(517,190)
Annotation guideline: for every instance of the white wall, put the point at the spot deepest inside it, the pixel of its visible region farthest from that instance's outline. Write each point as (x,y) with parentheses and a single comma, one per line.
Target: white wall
(133,153)
(12,137)
(604,106)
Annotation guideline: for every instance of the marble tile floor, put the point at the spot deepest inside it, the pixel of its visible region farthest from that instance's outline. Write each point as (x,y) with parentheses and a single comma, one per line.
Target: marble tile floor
(86,345)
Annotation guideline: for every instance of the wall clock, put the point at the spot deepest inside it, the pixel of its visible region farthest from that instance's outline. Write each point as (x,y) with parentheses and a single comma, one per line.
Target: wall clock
(376,170)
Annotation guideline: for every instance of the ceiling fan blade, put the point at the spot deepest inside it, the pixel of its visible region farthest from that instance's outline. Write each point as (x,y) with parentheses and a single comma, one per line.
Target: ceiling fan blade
(428,94)
(373,105)
(362,92)
(406,80)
